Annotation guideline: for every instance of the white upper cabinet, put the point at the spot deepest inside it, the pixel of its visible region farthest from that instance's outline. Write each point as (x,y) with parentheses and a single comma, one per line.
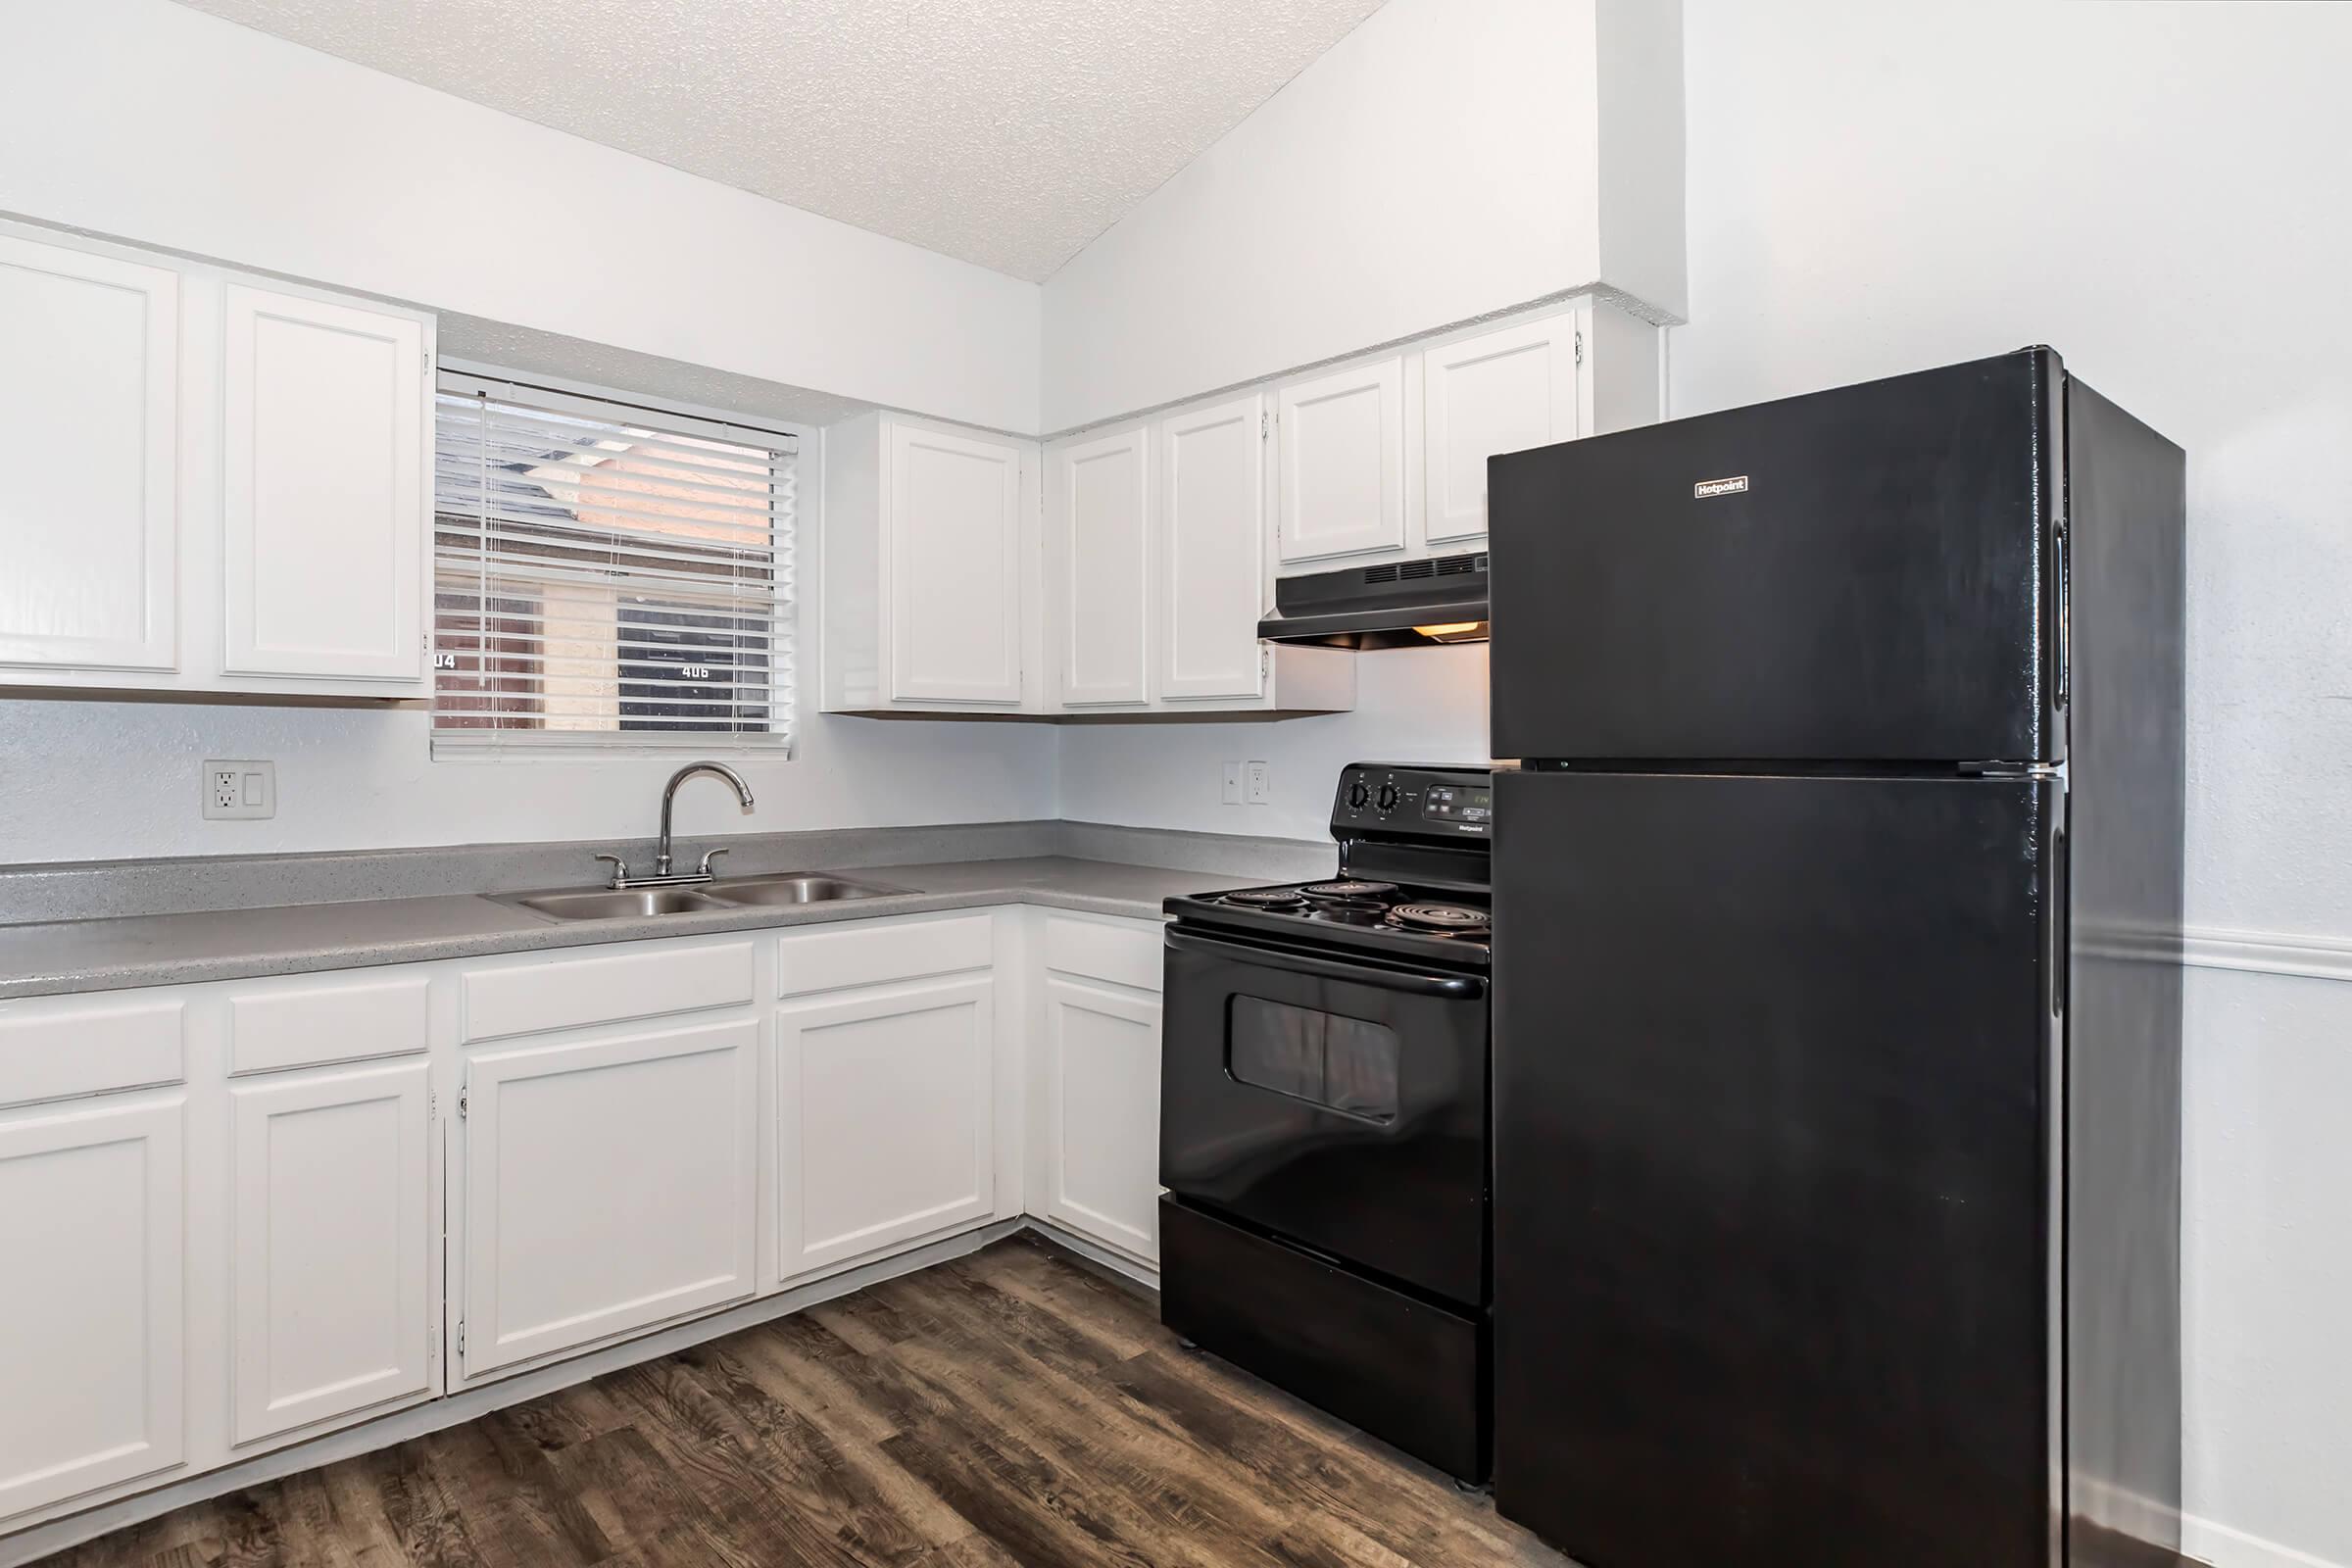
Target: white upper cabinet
(1212,589)
(1098,496)
(88,459)
(1498,391)
(323,468)
(1128,564)
(955,565)
(930,597)
(1344,462)
(208,485)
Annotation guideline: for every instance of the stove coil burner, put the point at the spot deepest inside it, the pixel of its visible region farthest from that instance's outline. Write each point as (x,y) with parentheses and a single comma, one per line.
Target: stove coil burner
(1265,898)
(1349,911)
(1450,919)
(1348,890)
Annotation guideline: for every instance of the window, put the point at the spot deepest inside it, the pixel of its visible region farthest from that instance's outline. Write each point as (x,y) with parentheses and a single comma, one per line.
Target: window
(607,576)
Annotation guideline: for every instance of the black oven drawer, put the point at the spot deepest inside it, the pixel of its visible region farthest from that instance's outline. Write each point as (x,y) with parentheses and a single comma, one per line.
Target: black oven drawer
(1338,1103)
(1409,1373)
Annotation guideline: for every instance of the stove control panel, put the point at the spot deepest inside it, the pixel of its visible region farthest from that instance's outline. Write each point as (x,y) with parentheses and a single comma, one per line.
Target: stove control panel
(1401,799)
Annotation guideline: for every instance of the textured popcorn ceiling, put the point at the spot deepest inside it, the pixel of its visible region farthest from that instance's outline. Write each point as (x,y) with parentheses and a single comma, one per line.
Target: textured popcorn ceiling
(1008,133)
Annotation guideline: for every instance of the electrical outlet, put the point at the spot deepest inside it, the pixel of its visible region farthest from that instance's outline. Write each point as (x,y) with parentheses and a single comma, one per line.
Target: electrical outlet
(1260,787)
(239,791)
(1233,783)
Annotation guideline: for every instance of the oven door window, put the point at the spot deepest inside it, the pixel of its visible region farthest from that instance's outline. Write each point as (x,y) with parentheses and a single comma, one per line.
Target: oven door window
(1339,1063)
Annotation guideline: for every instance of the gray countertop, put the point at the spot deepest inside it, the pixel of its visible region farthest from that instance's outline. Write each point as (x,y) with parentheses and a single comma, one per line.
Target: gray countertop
(57,956)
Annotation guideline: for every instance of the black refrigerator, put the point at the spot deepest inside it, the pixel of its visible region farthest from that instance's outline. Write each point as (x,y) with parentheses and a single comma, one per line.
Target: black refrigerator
(1838,1007)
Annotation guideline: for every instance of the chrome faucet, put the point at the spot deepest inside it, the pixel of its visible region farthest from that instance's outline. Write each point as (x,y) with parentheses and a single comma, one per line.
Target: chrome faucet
(662,876)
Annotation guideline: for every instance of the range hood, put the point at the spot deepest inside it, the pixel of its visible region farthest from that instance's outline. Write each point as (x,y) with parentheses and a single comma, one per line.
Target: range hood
(1397,603)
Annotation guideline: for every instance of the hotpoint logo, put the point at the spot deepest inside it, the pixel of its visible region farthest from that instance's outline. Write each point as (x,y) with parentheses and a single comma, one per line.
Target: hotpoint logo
(1719,488)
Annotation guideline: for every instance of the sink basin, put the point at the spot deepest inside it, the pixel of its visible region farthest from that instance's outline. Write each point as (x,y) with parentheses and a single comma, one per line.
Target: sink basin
(813,889)
(606,904)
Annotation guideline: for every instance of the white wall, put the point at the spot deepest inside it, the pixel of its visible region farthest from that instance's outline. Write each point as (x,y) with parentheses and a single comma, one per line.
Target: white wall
(119,780)
(155,124)
(1440,163)
(2158,191)
(1413,705)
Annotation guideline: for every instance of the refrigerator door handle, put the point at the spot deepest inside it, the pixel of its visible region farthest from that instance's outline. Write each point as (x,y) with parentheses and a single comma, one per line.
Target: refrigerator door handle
(2064,679)
(2061,923)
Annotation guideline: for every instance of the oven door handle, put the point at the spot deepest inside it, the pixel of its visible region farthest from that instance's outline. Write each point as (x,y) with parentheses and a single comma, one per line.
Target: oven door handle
(1448,986)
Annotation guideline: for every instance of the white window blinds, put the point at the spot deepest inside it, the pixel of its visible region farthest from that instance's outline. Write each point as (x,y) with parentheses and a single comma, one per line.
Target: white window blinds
(607,576)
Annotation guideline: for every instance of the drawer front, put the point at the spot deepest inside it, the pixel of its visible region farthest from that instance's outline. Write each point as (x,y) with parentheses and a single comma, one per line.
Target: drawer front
(315,1025)
(51,1051)
(1126,954)
(865,954)
(606,986)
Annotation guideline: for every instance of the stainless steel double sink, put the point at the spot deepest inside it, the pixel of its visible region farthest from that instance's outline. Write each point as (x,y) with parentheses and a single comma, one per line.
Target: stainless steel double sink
(728,893)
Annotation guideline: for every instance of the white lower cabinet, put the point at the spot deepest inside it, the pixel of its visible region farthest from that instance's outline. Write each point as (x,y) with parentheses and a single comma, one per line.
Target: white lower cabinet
(236,1216)
(1101,1165)
(334,1307)
(884,1117)
(92,1354)
(611,1183)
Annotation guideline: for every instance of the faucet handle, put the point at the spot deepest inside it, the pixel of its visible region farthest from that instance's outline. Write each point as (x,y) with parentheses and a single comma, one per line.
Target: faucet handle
(708,856)
(621,869)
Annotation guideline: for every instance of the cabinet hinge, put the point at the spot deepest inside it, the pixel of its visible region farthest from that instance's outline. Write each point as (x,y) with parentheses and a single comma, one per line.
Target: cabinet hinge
(461,1336)
(1580,347)
(462,1108)
(1265,425)
(432,1105)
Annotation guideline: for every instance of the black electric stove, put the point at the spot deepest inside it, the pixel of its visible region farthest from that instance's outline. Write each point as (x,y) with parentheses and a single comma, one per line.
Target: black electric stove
(1324,1117)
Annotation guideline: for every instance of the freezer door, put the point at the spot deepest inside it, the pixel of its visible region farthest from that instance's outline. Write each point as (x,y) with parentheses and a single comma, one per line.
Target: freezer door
(1772,1204)
(1855,575)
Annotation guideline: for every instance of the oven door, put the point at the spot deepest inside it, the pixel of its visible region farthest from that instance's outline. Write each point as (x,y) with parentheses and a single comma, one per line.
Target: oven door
(1336,1101)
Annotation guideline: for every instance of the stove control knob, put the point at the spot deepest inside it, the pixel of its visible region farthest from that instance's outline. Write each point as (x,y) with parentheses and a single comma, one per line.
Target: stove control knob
(1357,795)
(1388,796)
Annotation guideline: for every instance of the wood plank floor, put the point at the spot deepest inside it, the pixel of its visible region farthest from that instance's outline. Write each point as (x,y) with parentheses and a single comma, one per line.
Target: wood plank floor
(1012,1407)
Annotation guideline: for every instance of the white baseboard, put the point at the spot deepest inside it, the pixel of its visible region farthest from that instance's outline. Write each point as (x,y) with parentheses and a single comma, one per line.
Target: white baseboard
(2223,1547)
(1095,1252)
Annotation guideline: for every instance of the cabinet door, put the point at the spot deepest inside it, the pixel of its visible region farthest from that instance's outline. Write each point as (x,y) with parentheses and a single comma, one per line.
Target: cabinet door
(1343,462)
(954,568)
(91,1220)
(332,1309)
(324,459)
(1102,1114)
(1101,527)
(885,1108)
(1212,576)
(1502,391)
(610,1185)
(88,459)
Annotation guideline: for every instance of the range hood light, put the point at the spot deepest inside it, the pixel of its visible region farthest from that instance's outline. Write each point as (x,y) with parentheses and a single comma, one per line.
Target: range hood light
(1395,604)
